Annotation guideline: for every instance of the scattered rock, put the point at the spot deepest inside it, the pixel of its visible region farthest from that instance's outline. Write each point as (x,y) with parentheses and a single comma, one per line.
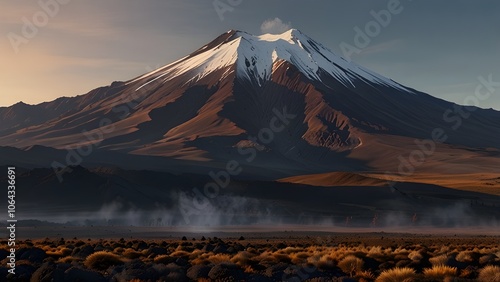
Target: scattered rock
(226,271)
(34,255)
(198,271)
(78,274)
(83,251)
(44,273)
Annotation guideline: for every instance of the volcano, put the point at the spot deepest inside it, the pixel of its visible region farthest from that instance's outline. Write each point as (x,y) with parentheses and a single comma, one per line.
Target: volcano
(281,106)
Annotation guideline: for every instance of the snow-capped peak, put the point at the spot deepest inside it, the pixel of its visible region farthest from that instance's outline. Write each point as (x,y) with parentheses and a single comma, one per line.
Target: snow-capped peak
(255,57)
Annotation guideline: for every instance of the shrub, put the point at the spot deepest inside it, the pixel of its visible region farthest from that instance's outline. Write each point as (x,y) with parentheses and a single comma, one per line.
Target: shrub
(440,272)
(62,252)
(439,260)
(487,259)
(398,274)
(218,258)
(322,262)
(282,257)
(376,252)
(164,259)
(490,273)
(242,258)
(415,256)
(68,259)
(365,275)
(351,264)
(466,256)
(131,254)
(180,254)
(102,260)
(299,257)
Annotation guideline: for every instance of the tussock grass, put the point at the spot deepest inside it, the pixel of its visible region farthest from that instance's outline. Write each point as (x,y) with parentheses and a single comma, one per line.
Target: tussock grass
(397,261)
(61,252)
(487,259)
(415,256)
(299,257)
(351,264)
(180,254)
(68,259)
(440,272)
(365,275)
(439,260)
(490,273)
(102,260)
(163,259)
(398,274)
(242,258)
(131,254)
(465,256)
(377,253)
(321,261)
(290,250)
(282,257)
(219,258)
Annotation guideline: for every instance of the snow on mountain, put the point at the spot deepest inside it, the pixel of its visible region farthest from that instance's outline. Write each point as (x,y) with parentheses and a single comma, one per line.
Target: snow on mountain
(256,56)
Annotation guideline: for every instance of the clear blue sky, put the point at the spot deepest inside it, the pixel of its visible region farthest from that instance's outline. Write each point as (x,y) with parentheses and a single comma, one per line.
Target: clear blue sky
(439,47)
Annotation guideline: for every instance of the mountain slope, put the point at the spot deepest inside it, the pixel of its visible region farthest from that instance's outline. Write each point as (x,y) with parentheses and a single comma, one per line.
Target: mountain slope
(220,101)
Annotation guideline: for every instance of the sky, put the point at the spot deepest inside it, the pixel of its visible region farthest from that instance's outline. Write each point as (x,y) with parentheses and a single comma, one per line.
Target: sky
(54,48)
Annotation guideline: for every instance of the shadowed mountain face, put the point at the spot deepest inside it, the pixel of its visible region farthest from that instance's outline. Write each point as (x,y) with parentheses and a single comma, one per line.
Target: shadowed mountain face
(281,105)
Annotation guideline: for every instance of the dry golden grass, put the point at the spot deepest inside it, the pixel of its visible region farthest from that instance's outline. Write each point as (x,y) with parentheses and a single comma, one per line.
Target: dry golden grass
(281,257)
(211,258)
(465,256)
(290,250)
(490,273)
(180,254)
(398,274)
(60,252)
(242,258)
(249,269)
(439,260)
(131,254)
(102,260)
(378,253)
(323,261)
(415,256)
(354,258)
(365,275)
(351,265)
(440,272)
(487,259)
(162,259)
(68,259)
(299,257)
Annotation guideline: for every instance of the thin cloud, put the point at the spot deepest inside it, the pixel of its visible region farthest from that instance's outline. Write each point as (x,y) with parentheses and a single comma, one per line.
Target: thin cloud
(275,26)
(381,47)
